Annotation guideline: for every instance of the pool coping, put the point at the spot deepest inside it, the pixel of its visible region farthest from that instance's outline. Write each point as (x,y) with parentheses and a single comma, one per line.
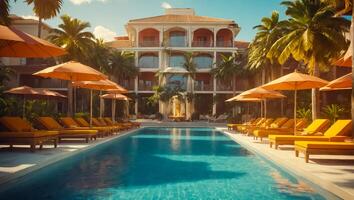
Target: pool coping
(14,176)
(322,183)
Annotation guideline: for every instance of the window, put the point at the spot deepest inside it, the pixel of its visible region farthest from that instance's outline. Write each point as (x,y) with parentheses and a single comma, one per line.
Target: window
(148,61)
(177,61)
(177,39)
(177,80)
(203,62)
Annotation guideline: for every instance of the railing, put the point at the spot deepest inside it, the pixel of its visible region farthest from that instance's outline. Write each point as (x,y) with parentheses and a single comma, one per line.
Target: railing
(149,65)
(146,86)
(155,43)
(177,44)
(223,87)
(203,87)
(202,44)
(223,43)
(127,84)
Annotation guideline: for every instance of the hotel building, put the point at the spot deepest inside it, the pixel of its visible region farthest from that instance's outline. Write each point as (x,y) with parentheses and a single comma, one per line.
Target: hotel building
(160,43)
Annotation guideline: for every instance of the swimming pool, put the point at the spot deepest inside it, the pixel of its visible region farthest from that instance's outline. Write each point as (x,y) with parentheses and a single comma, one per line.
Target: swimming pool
(164,163)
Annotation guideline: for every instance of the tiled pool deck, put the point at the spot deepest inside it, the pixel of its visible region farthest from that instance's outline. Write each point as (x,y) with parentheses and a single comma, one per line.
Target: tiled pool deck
(333,173)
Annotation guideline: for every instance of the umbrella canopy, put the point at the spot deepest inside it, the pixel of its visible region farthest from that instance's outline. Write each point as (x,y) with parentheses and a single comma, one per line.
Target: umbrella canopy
(23,90)
(115,96)
(261,93)
(344,62)
(341,83)
(295,81)
(98,85)
(72,71)
(241,98)
(26,45)
(7,35)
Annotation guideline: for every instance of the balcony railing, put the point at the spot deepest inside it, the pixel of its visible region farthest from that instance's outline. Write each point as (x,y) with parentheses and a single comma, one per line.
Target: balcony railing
(177,43)
(148,65)
(127,84)
(155,43)
(146,85)
(202,87)
(223,43)
(202,43)
(223,87)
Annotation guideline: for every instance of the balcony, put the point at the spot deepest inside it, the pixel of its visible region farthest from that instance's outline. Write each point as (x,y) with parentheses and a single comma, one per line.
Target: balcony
(201,86)
(224,44)
(149,44)
(145,85)
(148,61)
(223,86)
(202,44)
(127,84)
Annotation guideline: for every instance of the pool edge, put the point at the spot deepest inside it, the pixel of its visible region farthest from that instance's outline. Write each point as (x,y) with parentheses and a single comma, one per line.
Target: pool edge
(324,184)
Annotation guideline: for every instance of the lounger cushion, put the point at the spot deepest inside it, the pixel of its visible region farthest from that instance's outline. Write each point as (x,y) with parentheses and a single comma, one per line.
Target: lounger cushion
(16,124)
(69,122)
(49,123)
(69,132)
(340,127)
(316,126)
(325,145)
(30,134)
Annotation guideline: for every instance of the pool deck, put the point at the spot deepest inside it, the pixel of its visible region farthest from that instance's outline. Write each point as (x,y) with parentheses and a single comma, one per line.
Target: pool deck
(332,173)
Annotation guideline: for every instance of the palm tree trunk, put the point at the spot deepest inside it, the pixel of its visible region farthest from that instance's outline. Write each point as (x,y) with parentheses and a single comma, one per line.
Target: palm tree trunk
(282,99)
(39,26)
(234,86)
(70,99)
(314,95)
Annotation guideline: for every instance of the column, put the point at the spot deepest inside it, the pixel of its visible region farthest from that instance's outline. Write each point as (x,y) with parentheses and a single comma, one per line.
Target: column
(214,31)
(190,37)
(214,86)
(161,37)
(137,36)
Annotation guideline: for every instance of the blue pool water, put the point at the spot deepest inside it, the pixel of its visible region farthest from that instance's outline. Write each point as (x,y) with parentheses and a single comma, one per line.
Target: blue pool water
(164,163)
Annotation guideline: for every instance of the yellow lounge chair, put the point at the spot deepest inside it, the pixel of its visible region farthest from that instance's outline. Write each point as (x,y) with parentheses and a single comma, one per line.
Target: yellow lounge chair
(266,123)
(334,133)
(103,130)
(284,129)
(242,128)
(110,122)
(69,122)
(22,133)
(233,126)
(323,148)
(118,127)
(51,124)
(275,124)
(97,123)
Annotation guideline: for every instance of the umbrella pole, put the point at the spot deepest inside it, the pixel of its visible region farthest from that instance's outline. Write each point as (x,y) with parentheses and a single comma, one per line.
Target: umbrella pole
(90,108)
(265,108)
(295,96)
(261,108)
(24,107)
(101,104)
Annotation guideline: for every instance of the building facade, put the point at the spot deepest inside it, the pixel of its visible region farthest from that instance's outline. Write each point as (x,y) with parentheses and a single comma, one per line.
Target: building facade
(160,44)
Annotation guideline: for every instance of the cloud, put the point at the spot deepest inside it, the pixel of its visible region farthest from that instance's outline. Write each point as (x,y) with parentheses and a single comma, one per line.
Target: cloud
(29,17)
(79,2)
(104,33)
(166,5)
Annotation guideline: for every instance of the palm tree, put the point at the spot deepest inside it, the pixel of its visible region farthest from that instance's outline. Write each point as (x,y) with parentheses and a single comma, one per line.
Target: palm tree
(267,33)
(190,66)
(4,12)
(72,36)
(98,54)
(121,65)
(45,10)
(228,69)
(313,36)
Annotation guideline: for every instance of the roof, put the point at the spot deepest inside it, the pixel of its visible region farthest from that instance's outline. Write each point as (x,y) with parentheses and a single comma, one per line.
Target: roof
(242,44)
(119,44)
(181,19)
(17,20)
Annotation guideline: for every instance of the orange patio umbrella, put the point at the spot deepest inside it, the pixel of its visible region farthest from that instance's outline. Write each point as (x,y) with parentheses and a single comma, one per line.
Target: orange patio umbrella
(7,36)
(341,83)
(116,96)
(30,92)
(95,85)
(262,94)
(26,45)
(71,71)
(295,81)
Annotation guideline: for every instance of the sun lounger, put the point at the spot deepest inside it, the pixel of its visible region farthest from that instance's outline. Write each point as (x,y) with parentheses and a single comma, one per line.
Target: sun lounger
(242,128)
(22,133)
(97,123)
(286,128)
(104,131)
(249,129)
(336,132)
(232,126)
(51,124)
(323,148)
(110,122)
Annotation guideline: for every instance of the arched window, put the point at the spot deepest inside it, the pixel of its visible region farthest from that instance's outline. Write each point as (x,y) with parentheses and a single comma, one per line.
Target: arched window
(149,61)
(177,39)
(177,80)
(177,60)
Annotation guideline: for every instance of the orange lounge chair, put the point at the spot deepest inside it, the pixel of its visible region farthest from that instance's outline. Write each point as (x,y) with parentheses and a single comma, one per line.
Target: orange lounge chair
(275,124)
(336,132)
(51,124)
(97,123)
(118,127)
(69,122)
(241,128)
(22,133)
(323,148)
(110,122)
(286,128)
(250,122)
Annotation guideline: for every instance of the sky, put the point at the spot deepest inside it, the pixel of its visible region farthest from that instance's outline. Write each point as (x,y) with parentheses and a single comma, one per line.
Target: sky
(108,17)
